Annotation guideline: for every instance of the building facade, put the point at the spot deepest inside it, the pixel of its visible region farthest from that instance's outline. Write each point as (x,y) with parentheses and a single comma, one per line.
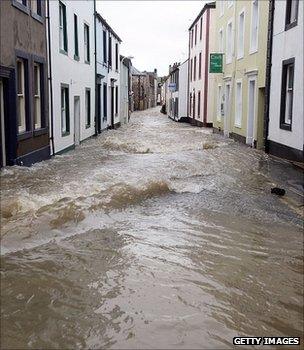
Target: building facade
(72,63)
(284,112)
(239,99)
(23,83)
(178,92)
(201,83)
(108,75)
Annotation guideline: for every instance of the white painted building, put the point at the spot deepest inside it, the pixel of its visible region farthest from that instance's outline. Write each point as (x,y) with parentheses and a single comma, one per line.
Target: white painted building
(177,94)
(201,83)
(72,88)
(286,125)
(108,75)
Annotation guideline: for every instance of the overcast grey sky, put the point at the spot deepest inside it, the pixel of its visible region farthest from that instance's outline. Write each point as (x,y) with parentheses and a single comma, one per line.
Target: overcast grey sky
(154,32)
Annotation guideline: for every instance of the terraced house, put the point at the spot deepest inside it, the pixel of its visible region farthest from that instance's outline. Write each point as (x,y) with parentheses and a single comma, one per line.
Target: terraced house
(72,66)
(241,35)
(23,83)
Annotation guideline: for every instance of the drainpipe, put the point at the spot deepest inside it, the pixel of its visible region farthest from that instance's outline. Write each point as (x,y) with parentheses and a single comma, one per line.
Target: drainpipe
(95,54)
(206,82)
(50,77)
(268,74)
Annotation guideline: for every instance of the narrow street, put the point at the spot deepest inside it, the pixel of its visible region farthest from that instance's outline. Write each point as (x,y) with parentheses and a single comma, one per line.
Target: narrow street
(154,235)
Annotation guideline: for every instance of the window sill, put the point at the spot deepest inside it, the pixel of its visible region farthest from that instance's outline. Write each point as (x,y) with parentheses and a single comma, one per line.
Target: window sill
(41,131)
(37,17)
(285,127)
(76,58)
(63,52)
(238,126)
(240,57)
(87,126)
(21,7)
(253,51)
(290,25)
(63,134)
(87,62)
(25,135)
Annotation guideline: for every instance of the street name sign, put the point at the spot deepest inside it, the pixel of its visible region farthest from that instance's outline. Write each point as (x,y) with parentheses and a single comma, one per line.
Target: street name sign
(216,63)
(172,87)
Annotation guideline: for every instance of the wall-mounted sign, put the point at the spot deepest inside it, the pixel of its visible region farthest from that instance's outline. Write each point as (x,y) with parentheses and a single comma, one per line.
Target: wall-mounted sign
(172,87)
(216,63)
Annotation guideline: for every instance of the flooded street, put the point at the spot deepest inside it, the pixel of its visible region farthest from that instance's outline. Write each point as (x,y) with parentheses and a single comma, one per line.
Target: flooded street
(154,235)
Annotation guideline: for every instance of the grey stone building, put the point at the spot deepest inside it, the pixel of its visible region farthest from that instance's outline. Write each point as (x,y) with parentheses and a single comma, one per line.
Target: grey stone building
(23,82)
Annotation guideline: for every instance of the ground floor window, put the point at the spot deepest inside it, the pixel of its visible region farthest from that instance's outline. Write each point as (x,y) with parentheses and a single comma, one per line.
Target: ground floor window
(287,94)
(199,104)
(116,100)
(105,102)
(238,104)
(65,110)
(38,79)
(22,79)
(88,107)
(219,102)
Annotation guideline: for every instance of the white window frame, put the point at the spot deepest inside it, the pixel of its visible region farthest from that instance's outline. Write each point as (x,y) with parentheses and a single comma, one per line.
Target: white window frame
(254,49)
(221,7)
(37,97)
(21,98)
(86,42)
(230,3)
(240,52)
(219,102)
(61,27)
(87,103)
(64,110)
(229,57)
(238,112)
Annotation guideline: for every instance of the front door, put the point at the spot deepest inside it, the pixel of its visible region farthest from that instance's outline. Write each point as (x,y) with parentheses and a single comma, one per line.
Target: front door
(76,120)
(112,106)
(227,109)
(2,127)
(251,112)
(99,108)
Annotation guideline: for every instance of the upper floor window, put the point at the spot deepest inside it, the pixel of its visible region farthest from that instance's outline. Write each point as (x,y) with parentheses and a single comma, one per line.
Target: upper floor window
(241,31)
(65,110)
(221,41)
(36,7)
(116,56)
(22,80)
(195,34)
(194,69)
(104,46)
(63,39)
(200,66)
(221,7)
(201,28)
(292,7)
(86,43)
(76,45)
(229,44)
(23,2)
(287,94)
(230,3)
(254,26)
(110,51)
(192,38)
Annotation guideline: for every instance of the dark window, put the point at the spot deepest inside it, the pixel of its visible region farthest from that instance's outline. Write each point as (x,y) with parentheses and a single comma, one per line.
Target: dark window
(104,46)
(105,101)
(86,43)
(22,5)
(292,7)
(191,69)
(88,107)
(194,69)
(195,34)
(65,110)
(193,104)
(110,51)
(199,104)
(38,96)
(201,28)
(116,56)
(36,7)
(116,100)
(192,38)
(76,47)
(200,66)
(287,94)
(63,39)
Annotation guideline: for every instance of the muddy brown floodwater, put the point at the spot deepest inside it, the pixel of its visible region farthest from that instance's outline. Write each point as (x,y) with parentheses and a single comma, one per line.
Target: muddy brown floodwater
(155,235)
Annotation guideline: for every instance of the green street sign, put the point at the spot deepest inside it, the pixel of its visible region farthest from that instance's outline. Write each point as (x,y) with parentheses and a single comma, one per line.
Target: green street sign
(216,63)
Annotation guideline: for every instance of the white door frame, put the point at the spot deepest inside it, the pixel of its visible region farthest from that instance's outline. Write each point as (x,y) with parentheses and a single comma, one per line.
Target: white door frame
(2,121)
(227,108)
(77,121)
(251,111)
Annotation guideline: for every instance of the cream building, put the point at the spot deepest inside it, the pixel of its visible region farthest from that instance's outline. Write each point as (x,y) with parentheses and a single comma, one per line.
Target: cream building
(241,35)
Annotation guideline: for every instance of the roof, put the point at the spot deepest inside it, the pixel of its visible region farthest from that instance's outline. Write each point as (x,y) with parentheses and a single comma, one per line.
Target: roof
(126,61)
(135,71)
(105,23)
(209,5)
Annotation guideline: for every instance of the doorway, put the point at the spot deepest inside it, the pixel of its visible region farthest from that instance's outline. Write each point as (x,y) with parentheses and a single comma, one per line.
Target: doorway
(2,127)
(251,111)
(112,107)
(76,120)
(99,108)
(227,108)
